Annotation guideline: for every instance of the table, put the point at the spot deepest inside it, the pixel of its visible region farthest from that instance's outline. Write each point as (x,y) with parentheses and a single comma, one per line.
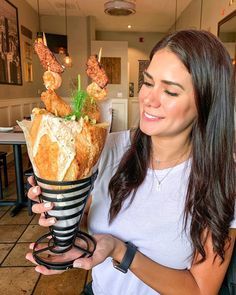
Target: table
(16,140)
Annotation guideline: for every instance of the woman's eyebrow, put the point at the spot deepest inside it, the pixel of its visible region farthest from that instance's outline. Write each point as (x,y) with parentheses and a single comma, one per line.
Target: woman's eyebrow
(172,83)
(145,73)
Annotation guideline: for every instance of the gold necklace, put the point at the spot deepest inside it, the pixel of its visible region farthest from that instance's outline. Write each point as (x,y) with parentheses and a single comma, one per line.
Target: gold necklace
(159,181)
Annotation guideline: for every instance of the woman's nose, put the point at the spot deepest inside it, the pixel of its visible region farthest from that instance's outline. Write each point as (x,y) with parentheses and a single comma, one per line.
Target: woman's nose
(152,98)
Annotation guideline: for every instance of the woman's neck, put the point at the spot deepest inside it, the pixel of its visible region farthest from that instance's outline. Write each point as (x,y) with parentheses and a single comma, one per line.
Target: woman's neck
(169,152)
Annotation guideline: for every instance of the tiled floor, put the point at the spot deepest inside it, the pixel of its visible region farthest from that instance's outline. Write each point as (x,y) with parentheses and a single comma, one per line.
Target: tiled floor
(17,275)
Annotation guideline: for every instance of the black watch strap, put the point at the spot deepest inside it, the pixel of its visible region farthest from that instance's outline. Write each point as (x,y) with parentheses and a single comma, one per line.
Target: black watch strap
(127,259)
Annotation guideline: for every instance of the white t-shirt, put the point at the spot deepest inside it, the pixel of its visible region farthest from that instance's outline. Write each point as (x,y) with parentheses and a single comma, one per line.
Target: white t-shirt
(153,222)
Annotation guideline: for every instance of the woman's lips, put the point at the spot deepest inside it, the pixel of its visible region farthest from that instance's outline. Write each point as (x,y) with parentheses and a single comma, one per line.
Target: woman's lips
(151,117)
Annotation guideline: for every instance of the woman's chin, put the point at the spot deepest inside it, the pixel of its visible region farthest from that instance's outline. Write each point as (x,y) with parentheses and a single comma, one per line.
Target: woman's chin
(147,130)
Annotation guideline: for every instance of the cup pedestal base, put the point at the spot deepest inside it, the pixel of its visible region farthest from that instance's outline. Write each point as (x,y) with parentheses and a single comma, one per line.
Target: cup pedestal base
(47,253)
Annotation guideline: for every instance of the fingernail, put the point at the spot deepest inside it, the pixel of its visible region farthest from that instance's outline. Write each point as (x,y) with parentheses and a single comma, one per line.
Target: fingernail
(77,264)
(47,205)
(52,221)
(35,190)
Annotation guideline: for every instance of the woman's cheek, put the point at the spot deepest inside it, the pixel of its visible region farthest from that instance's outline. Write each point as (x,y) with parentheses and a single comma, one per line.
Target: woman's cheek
(170,106)
(141,94)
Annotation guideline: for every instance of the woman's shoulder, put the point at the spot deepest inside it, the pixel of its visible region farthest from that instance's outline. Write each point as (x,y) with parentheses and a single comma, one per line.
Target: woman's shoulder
(118,139)
(116,145)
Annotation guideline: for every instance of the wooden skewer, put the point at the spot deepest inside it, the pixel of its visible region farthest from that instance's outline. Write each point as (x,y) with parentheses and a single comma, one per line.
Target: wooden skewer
(100,54)
(44,39)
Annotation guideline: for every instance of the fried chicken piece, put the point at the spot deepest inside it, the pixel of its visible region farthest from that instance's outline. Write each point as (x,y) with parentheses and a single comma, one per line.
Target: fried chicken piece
(52,80)
(55,104)
(96,72)
(95,91)
(91,110)
(47,58)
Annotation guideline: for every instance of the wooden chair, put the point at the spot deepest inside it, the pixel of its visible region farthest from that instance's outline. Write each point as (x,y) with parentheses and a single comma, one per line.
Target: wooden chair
(3,163)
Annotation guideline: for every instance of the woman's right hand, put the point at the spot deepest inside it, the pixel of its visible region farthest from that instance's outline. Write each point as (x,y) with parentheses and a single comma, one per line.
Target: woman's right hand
(40,208)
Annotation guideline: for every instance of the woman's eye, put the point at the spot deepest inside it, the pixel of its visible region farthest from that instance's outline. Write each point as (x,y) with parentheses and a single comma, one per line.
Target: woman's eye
(171,93)
(147,84)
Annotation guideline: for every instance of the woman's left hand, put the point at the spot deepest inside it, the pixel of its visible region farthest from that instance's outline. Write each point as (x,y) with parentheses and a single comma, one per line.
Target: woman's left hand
(107,246)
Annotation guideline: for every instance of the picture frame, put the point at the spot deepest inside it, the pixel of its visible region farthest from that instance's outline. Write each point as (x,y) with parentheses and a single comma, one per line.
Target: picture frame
(143,65)
(28,71)
(112,67)
(10,57)
(28,67)
(27,51)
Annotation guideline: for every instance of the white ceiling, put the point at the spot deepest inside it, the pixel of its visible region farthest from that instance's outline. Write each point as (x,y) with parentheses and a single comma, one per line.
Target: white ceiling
(150,16)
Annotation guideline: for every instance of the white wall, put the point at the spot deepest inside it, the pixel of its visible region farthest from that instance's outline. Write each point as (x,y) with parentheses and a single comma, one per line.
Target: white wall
(213,11)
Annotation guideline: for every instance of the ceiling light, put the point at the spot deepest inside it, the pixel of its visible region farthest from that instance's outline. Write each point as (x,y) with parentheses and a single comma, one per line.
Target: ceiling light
(120,7)
(129,26)
(67,60)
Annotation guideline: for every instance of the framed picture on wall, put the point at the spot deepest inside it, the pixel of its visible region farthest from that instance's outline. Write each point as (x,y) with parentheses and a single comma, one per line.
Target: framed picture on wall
(28,62)
(10,60)
(28,71)
(112,67)
(143,65)
(28,51)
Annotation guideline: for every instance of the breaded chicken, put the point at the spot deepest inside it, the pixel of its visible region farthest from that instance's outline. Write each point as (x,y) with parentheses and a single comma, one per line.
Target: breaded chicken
(55,104)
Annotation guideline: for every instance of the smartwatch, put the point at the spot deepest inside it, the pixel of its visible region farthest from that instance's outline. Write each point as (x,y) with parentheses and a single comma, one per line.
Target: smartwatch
(124,265)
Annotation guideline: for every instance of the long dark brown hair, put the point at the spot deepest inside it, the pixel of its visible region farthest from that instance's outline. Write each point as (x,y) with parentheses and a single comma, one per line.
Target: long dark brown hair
(210,196)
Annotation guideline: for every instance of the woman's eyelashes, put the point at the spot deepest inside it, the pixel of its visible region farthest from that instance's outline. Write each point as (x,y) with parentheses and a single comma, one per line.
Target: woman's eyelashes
(171,93)
(148,84)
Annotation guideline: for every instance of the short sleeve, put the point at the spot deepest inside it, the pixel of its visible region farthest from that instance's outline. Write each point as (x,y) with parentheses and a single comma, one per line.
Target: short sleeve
(233,223)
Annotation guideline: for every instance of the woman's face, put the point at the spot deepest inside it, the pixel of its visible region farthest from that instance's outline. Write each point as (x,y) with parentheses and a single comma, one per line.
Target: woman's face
(166,99)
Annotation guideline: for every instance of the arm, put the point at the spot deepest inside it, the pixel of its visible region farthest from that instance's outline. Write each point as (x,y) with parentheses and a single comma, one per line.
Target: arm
(202,279)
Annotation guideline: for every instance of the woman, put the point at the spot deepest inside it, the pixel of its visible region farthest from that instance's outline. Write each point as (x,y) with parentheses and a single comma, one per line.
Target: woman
(172,190)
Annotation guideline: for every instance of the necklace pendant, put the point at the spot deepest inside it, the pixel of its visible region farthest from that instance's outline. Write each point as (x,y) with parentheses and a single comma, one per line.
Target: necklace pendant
(158,186)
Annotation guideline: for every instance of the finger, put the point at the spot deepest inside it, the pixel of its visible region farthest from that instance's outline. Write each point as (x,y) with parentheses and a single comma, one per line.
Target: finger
(85,263)
(29,256)
(42,207)
(31,180)
(39,247)
(42,269)
(31,246)
(43,221)
(33,193)
(45,271)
